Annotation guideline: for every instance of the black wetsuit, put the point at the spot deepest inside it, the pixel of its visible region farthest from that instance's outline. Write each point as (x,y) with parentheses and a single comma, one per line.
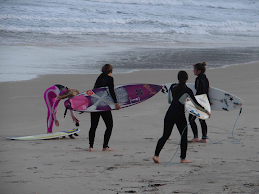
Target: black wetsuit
(102,81)
(202,87)
(176,115)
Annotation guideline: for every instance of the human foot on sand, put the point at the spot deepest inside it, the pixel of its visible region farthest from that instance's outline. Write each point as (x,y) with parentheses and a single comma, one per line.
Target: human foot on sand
(194,140)
(156,159)
(203,141)
(185,161)
(107,149)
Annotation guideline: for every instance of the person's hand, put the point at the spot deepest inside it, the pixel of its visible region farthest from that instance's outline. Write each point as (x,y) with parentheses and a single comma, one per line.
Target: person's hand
(208,113)
(117,106)
(75,120)
(57,123)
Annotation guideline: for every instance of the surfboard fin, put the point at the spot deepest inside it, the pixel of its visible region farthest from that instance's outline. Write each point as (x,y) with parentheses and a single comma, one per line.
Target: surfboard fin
(71,136)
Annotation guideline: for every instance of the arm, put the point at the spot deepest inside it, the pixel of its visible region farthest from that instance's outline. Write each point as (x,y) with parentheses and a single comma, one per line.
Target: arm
(111,89)
(74,117)
(195,102)
(112,92)
(170,97)
(197,105)
(54,109)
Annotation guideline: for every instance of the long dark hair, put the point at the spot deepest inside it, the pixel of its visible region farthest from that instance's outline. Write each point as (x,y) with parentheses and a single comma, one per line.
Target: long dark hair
(200,66)
(176,91)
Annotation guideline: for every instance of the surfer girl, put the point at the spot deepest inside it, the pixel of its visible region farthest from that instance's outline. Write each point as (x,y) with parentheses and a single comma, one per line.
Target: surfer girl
(52,96)
(176,115)
(202,87)
(104,79)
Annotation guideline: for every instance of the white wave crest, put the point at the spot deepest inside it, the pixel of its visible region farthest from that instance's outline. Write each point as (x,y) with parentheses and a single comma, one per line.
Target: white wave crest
(222,4)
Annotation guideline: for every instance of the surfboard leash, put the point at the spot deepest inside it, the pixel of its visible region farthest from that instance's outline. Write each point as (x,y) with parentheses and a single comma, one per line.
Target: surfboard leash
(238,142)
(59,136)
(77,124)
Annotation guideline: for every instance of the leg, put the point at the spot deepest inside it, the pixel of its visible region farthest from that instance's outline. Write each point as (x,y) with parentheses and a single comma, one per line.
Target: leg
(194,128)
(168,127)
(182,128)
(49,100)
(108,120)
(204,131)
(95,116)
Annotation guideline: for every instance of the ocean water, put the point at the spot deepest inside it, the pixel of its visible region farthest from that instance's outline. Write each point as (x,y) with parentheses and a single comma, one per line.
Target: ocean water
(63,36)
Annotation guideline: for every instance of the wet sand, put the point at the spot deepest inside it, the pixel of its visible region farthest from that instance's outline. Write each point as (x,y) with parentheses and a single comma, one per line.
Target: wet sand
(64,166)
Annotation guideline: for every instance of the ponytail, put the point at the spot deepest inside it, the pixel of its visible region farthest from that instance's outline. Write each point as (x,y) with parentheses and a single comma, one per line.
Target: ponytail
(182,78)
(200,66)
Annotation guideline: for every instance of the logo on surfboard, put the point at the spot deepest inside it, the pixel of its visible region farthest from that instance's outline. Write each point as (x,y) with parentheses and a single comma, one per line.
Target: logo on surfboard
(89,93)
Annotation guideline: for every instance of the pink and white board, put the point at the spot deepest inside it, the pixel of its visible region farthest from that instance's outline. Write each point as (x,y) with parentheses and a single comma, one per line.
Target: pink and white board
(99,99)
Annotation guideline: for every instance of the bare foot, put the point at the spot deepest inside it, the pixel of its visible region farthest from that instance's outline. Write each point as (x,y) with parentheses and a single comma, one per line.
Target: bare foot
(203,141)
(185,161)
(88,149)
(107,149)
(194,140)
(156,159)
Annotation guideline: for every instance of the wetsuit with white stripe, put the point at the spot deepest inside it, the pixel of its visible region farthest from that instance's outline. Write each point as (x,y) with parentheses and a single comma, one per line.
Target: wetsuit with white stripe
(51,100)
(176,115)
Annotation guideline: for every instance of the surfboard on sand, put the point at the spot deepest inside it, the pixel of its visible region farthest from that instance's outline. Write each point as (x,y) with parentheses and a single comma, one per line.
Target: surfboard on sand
(219,99)
(60,134)
(203,101)
(99,99)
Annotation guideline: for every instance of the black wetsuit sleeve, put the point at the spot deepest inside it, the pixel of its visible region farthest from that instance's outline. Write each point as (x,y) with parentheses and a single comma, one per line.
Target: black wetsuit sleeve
(110,84)
(194,101)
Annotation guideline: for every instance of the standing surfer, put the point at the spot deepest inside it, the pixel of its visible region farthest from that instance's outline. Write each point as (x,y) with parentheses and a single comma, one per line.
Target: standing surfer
(202,87)
(176,115)
(52,96)
(104,80)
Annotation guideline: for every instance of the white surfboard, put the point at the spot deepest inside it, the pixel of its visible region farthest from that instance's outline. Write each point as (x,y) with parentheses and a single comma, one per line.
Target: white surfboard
(219,99)
(203,100)
(48,135)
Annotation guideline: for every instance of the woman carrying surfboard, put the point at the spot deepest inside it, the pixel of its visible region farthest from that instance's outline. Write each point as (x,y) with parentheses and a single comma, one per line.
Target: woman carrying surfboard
(202,87)
(52,96)
(176,115)
(105,79)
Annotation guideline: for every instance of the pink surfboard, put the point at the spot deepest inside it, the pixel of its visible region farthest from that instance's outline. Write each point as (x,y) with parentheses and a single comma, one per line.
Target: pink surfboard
(99,99)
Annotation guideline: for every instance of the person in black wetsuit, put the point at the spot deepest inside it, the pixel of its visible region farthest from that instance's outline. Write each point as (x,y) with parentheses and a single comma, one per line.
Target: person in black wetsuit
(202,87)
(176,115)
(103,80)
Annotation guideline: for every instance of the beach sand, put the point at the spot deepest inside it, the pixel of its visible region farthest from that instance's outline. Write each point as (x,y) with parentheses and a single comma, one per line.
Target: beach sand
(63,166)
